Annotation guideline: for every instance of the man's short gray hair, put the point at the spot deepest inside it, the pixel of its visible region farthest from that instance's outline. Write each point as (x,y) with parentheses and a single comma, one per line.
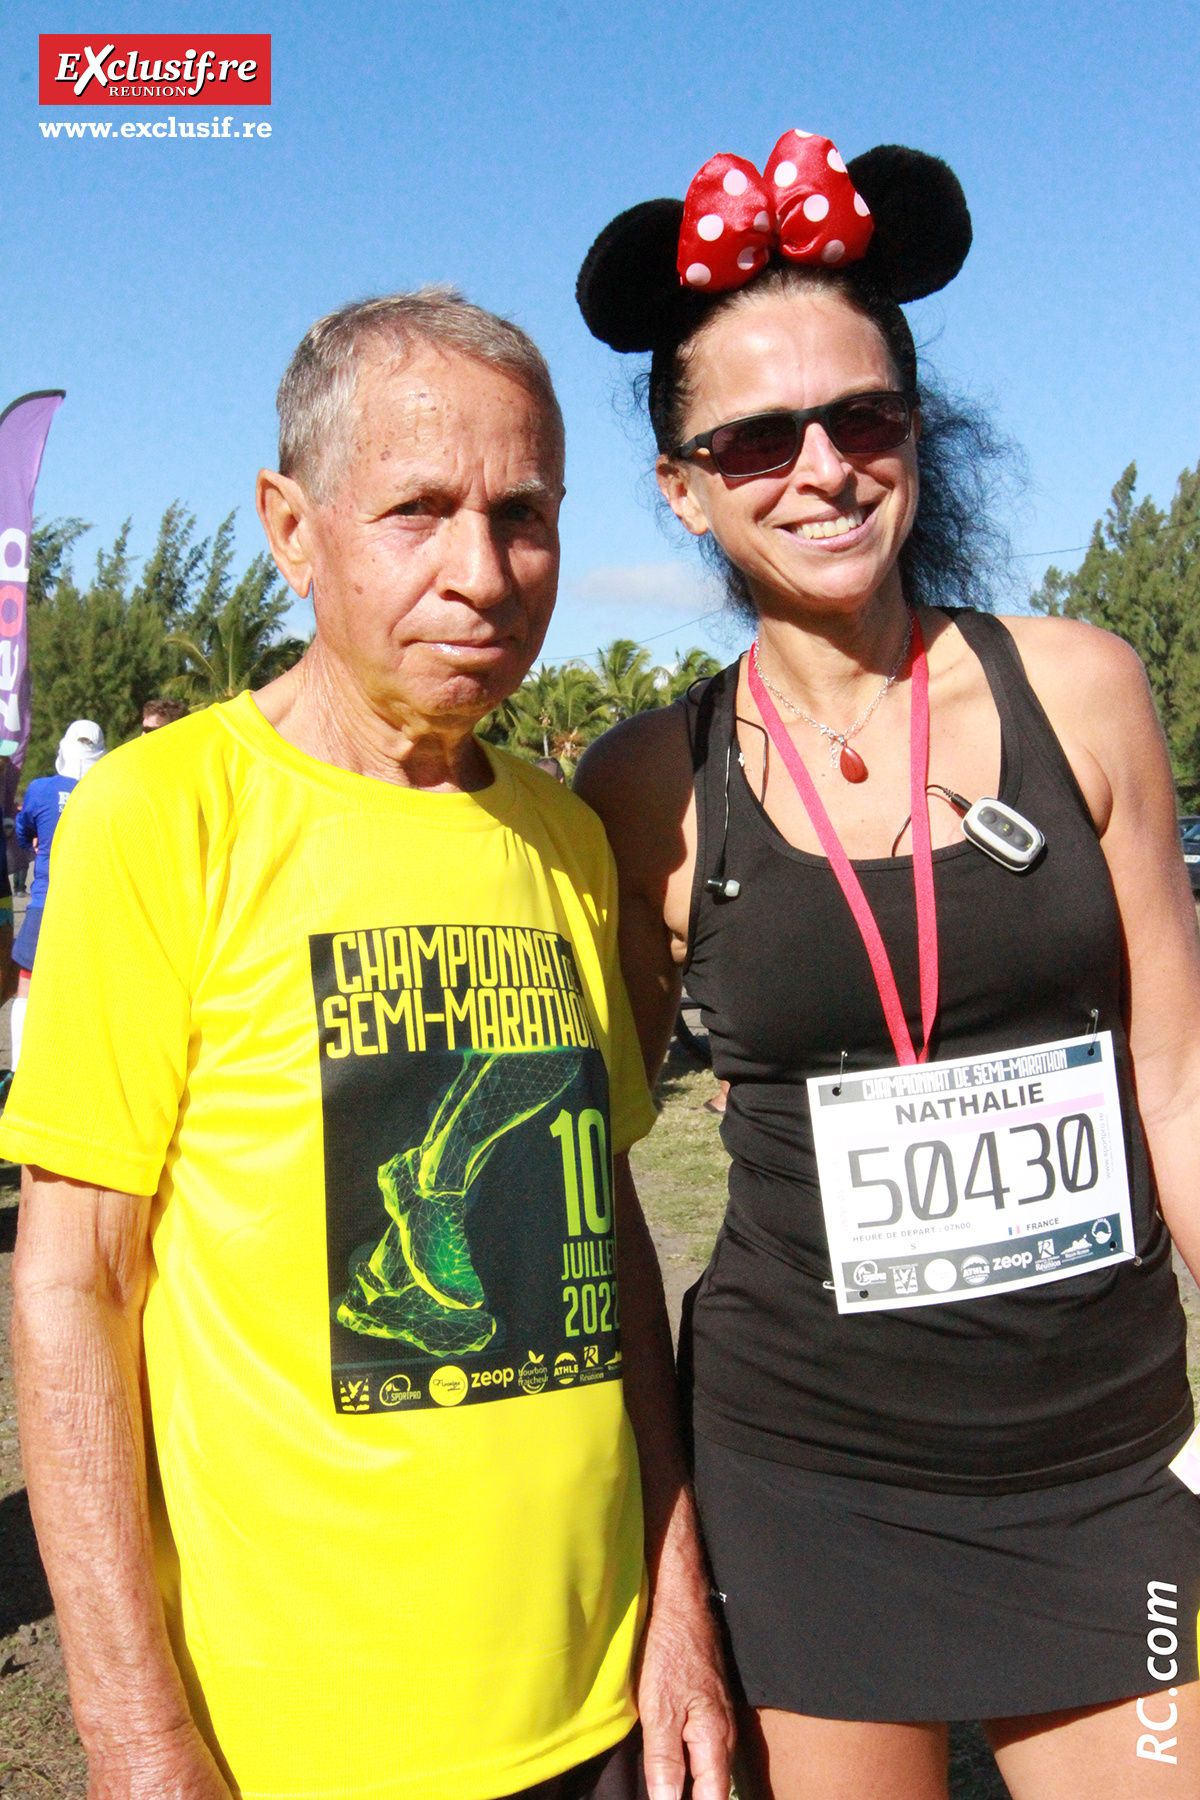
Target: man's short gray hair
(316,396)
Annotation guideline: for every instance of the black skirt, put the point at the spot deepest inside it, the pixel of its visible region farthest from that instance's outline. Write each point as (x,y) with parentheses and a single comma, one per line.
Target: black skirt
(852,1599)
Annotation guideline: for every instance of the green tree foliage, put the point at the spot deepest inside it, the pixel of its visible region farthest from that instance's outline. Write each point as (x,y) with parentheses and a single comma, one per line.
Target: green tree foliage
(50,547)
(1141,579)
(94,654)
(559,709)
(231,642)
(101,651)
(627,681)
(696,665)
(175,566)
(556,711)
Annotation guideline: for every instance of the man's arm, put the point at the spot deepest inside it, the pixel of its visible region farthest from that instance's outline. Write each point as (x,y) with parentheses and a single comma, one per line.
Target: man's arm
(680,1693)
(79,1283)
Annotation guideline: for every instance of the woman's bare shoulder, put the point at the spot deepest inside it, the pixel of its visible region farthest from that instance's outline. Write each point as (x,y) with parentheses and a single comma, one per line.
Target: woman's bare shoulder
(1075,655)
(1098,700)
(638,776)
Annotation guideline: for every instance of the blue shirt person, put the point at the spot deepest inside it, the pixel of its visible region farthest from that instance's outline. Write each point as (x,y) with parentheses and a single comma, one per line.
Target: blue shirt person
(81,745)
(35,822)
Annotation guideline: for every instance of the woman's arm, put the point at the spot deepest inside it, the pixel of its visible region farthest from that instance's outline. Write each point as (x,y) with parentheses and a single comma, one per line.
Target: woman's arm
(638,777)
(681,1697)
(1096,695)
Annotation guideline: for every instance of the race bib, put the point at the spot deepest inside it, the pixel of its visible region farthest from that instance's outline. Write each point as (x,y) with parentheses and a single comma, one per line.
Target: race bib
(975,1176)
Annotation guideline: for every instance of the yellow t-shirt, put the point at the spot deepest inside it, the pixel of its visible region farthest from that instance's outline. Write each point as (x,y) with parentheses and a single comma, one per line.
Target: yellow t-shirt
(360,1042)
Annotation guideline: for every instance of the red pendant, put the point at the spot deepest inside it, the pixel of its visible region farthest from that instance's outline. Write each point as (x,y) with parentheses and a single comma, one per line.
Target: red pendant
(852,765)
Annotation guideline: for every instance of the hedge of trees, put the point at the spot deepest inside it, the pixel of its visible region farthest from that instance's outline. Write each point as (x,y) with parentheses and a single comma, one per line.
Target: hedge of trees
(1141,579)
(560,708)
(186,627)
(189,626)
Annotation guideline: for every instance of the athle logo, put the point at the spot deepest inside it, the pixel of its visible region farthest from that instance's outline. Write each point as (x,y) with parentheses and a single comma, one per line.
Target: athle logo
(131,69)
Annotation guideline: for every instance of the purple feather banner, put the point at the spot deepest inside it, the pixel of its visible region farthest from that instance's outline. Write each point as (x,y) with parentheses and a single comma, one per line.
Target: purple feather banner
(23,430)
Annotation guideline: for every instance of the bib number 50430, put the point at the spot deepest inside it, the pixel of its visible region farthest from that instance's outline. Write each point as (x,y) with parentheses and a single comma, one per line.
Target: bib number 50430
(932,1181)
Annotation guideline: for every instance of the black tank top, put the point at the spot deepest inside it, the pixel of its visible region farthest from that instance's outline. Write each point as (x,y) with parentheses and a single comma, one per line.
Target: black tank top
(988,1395)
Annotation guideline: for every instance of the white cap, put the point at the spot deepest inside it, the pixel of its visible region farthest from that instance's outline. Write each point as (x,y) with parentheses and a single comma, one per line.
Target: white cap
(81,745)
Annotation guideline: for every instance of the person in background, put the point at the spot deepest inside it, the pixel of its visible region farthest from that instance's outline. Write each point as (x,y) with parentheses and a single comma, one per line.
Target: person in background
(81,745)
(17,858)
(8,977)
(162,712)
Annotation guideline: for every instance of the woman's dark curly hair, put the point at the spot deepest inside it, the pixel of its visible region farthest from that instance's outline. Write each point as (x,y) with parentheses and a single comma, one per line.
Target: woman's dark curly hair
(631,298)
(956,553)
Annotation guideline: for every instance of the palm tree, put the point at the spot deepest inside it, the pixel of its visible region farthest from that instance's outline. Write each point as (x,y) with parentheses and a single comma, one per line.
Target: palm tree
(556,712)
(233,645)
(630,684)
(693,667)
(560,709)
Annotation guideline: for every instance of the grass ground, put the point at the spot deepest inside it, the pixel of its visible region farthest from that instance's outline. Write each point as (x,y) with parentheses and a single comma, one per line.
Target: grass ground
(681,1175)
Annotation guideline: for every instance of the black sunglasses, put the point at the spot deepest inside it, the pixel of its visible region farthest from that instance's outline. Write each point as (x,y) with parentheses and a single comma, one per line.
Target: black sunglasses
(859,425)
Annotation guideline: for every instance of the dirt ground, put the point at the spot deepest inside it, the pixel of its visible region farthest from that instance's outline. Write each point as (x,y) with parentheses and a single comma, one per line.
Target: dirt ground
(681,1175)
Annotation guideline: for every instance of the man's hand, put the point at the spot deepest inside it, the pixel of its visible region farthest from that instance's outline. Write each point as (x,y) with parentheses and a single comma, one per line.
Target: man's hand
(180,1767)
(685,1710)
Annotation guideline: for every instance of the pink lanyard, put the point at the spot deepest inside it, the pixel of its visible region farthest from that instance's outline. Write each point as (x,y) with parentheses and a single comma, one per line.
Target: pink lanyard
(927,947)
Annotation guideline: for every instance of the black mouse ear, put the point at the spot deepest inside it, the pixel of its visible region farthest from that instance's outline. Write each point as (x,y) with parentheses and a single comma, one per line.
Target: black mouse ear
(629,290)
(922,226)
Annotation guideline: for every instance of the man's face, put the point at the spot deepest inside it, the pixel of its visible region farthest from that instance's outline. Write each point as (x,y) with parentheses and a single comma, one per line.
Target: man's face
(435,566)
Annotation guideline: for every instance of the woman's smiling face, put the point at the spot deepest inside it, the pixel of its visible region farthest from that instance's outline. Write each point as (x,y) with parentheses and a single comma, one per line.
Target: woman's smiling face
(827,532)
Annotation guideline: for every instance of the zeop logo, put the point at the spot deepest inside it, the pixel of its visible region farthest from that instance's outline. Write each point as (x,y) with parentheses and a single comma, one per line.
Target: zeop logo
(130,69)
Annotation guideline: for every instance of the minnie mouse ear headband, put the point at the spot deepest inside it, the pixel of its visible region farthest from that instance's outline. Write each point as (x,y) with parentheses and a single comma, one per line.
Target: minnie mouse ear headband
(898,215)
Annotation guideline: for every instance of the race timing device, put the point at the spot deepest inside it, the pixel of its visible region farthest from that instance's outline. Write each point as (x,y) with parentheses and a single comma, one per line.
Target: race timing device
(1003,834)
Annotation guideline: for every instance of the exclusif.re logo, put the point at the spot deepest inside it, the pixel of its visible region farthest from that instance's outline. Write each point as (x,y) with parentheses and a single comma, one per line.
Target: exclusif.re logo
(131,69)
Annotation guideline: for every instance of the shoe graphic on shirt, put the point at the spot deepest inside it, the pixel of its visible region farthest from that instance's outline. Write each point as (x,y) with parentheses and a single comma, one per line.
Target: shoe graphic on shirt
(378,1308)
(431,1233)
(420,1283)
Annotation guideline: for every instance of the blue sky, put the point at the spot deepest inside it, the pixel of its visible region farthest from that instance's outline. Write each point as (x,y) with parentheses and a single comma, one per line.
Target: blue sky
(164,284)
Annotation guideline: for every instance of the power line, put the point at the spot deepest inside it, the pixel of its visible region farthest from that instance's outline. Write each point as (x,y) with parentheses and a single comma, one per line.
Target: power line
(684,625)
(658,635)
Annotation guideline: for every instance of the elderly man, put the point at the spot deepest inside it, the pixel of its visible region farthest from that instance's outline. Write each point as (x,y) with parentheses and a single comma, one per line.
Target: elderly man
(326,1391)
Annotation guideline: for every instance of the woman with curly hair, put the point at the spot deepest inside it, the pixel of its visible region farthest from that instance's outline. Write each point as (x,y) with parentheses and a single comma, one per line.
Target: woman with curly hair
(921,870)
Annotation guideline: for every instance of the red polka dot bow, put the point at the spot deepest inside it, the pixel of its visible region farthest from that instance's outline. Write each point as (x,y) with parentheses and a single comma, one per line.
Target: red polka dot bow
(804,205)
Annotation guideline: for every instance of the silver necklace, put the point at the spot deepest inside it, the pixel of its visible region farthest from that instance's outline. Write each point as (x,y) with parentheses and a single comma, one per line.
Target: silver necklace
(841,756)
